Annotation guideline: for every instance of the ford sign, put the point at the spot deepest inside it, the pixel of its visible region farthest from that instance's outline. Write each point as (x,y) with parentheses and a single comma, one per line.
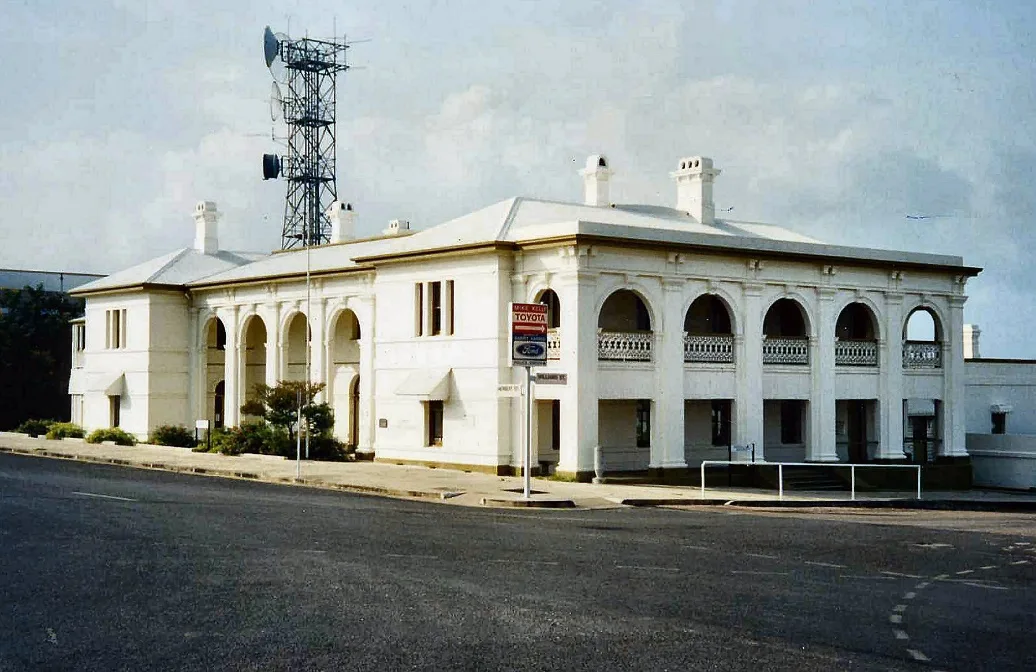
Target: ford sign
(529,350)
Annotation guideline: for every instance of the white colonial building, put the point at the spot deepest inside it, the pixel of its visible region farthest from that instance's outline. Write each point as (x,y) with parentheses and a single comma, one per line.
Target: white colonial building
(680,334)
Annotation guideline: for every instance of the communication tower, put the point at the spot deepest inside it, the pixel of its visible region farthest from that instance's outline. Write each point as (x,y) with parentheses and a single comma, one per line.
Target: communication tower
(304,95)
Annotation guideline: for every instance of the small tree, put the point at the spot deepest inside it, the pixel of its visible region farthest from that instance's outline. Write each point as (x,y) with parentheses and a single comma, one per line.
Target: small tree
(279,406)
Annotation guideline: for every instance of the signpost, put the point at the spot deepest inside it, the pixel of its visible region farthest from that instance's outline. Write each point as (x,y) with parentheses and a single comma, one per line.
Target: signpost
(528,349)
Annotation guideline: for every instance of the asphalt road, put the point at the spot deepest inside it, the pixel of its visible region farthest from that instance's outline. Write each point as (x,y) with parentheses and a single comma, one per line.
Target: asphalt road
(105,568)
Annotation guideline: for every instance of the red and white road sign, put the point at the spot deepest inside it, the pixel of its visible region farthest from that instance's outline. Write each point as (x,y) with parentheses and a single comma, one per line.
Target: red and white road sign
(529,319)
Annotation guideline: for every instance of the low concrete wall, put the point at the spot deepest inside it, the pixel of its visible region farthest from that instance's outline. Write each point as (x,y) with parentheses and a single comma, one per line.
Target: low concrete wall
(1003,460)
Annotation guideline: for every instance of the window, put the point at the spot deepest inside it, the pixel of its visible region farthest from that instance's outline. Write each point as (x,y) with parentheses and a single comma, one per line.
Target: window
(418,309)
(435,417)
(114,406)
(435,296)
(433,308)
(555,425)
(999,422)
(791,422)
(643,423)
(550,299)
(721,422)
(115,329)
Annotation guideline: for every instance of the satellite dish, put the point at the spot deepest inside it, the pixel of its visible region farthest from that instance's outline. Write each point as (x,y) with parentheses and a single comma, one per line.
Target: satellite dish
(271,166)
(271,46)
(276,103)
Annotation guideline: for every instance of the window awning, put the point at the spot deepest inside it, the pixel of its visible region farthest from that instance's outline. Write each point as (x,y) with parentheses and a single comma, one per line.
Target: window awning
(922,407)
(1001,408)
(117,386)
(427,384)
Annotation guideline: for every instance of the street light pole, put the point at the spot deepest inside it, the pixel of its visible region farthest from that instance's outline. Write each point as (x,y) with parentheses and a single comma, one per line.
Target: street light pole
(309,335)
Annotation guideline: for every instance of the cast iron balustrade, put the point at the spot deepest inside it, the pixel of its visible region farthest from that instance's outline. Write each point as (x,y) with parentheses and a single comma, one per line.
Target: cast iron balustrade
(856,353)
(554,344)
(717,348)
(624,346)
(786,351)
(922,355)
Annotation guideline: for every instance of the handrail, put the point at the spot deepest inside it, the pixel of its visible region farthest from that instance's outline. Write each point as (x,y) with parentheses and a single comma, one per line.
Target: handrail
(780,472)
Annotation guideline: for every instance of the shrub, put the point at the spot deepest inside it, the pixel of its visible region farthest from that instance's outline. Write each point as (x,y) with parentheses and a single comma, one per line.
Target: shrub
(119,436)
(172,435)
(34,427)
(61,430)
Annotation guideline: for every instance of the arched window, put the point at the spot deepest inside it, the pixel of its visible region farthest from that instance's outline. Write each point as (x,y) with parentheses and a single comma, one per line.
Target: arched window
(707,315)
(856,336)
(624,310)
(785,337)
(549,298)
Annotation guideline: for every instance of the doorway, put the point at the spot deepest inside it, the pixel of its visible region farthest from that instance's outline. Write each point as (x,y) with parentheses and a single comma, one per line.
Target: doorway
(218,400)
(354,412)
(856,428)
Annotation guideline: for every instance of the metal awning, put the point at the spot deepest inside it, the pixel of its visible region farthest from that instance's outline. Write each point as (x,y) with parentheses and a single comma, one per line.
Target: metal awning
(117,386)
(1001,408)
(922,407)
(427,384)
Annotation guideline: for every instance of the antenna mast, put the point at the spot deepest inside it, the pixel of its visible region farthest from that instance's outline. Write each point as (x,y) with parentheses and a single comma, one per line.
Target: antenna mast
(308,69)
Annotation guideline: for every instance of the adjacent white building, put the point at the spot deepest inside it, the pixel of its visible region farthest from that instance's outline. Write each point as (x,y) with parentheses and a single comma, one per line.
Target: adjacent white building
(680,333)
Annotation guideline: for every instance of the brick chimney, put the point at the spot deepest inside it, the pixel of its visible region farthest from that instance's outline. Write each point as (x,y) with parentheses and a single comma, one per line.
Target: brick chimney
(595,180)
(206,227)
(694,179)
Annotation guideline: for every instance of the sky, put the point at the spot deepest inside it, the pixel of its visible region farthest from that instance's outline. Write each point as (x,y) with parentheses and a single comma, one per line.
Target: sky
(840,119)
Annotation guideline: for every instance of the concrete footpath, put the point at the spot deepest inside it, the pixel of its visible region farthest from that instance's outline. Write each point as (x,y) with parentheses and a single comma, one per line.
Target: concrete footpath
(454,487)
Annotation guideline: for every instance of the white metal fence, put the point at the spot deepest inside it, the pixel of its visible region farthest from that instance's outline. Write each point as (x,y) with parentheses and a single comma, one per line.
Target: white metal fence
(780,471)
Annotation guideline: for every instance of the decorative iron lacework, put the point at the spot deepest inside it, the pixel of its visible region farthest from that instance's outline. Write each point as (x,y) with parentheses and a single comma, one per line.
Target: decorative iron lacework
(708,348)
(553,343)
(856,353)
(786,351)
(624,346)
(922,355)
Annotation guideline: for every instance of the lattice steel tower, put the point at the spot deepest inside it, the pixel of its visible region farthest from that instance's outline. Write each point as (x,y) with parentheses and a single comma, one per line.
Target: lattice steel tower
(308,69)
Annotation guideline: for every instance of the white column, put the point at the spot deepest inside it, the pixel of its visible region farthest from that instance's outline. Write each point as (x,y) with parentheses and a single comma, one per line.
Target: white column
(579,404)
(667,431)
(232,371)
(365,315)
(275,354)
(822,377)
(891,363)
(748,360)
(195,370)
(953,431)
(318,346)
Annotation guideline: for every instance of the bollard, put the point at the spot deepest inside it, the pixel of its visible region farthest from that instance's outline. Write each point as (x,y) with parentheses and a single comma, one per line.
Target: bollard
(598,465)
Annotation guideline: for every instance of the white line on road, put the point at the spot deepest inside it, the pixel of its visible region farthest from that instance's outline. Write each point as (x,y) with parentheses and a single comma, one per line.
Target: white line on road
(824,564)
(895,618)
(869,578)
(94,494)
(900,608)
(909,596)
(905,576)
(648,568)
(984,585)
(422,557)
(965,571)
(528,562)
(988,567)
(1020,562)
(917,655)
(746,571)
(900,634)
(698,548)
(761,555)
(922,585)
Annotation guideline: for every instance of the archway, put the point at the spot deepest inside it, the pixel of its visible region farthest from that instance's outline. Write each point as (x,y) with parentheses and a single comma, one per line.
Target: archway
(219,404)
(922,340)
(345,369)
(785,334)
(856,336)
(295,344)
(708,334)
(213,369)
(253,356)
(624,328)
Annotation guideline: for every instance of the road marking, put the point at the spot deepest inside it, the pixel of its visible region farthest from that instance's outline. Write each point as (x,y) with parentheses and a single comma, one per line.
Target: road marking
(648,568)
(895,618)
(423,557)
(988,567)
(94,494)
(905,576)
(869,578)
(900,634)
(909,596)
(900,608)
(922,585)
(746,571)
(917,655)
(1021,543)
(984,585)
(825,564)
(761,555)
(1020,562)
(527,562)
(941,577)
(698,548)
(965,571)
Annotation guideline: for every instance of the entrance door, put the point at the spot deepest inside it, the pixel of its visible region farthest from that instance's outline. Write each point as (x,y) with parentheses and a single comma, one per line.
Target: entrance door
(919,432)
(354,413)
(856,422)
(217,404)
